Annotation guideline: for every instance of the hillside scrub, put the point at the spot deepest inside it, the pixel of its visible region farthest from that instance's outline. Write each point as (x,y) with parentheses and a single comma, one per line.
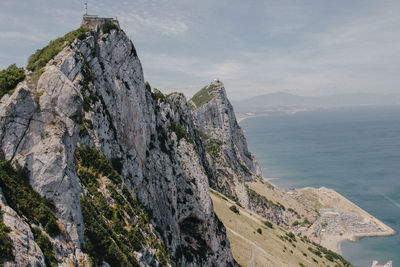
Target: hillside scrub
(269,224)
(40,58)
(108,26)
(202,97)
(9,78)
(234,209)
(5,241)
(28,203)
(45,246)
(113,230)
(214,147)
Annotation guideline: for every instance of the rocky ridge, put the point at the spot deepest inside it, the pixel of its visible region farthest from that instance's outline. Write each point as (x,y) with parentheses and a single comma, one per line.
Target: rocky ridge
(225,142)
(228,153)
(92,94)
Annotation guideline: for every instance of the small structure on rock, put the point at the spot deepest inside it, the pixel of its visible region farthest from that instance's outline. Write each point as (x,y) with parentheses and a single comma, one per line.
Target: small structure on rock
(94,22)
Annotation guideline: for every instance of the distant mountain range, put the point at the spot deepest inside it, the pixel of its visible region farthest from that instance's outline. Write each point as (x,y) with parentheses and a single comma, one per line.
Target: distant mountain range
(286,100)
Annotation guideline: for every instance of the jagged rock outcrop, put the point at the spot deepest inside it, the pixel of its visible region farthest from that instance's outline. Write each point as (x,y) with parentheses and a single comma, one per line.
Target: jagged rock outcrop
(93,93)
(225,142)
(232,165)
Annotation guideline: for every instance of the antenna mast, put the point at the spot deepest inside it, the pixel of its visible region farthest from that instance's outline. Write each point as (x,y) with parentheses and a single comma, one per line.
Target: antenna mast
(86,8)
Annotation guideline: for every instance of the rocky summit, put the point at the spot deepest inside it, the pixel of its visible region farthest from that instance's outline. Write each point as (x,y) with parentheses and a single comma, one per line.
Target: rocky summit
(224,141)
(121,167)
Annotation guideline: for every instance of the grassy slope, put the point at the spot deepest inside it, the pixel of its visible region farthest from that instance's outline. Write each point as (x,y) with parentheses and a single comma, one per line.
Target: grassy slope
(202,97)
(250,248)
(276,195)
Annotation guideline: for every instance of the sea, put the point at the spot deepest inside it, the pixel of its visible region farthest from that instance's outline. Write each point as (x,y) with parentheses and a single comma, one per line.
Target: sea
(353,150)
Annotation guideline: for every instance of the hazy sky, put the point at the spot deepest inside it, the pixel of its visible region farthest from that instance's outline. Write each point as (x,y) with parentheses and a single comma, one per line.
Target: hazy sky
(304,47)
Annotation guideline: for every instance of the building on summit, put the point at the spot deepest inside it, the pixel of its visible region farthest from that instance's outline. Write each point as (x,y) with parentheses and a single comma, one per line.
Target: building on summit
(94,22)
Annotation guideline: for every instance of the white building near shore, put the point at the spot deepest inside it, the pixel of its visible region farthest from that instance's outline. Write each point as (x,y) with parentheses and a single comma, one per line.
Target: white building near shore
(376,264)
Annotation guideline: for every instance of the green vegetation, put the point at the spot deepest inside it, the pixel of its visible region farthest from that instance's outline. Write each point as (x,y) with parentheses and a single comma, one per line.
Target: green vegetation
(259,231)
(25,201)
(180,132)
(45,245)
(203,96)
(191,105)
(333,256)
(148,86)
(306,222)
(98,163)
(214,147)
(87,78)
(295,212)
(83,131)
(5,241)
(329,255)
(9,78)
(40,58)
(234,209)
(87,124)
(108,26)
(158,95)
(203,136)
(291,236)
(260,198)
(269,224)
(316,252)
(295,223)
(112,231)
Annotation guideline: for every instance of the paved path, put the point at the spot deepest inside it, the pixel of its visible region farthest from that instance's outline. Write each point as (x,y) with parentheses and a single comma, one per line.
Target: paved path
(252,256)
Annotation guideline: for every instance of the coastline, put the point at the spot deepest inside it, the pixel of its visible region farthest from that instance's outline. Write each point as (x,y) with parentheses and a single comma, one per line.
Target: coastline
(242,116)
(337,218)
(344,219)
(334,241)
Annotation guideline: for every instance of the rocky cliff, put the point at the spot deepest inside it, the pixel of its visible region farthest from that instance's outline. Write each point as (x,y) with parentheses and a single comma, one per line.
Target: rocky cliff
(120,169)
(225,142)
(227,152)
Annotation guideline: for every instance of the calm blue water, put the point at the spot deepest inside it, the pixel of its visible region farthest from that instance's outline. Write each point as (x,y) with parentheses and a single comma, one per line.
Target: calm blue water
(355,151)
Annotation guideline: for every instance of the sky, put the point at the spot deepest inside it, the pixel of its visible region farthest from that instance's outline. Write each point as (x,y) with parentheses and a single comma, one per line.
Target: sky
(254,47)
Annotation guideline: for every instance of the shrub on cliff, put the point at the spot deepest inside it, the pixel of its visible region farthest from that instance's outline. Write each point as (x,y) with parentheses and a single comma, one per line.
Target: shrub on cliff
(25,201)
(5,241)
(112,230)
(40,58)
(9,78)
(108,26)
(45,245)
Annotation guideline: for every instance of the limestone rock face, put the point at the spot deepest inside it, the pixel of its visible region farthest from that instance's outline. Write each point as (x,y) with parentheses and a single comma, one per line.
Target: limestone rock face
(232,165)
(26,251)
(151,138)
(225,142)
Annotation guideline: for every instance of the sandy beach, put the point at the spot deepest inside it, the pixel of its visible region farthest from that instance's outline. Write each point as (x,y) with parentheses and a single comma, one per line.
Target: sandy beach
(242,116)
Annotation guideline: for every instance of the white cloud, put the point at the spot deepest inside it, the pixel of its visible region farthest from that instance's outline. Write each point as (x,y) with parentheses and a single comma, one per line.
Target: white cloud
(303,47)
(163,26)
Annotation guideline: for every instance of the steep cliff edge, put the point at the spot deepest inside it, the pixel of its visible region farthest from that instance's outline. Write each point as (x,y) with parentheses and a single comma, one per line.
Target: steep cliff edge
(227,151)
(93,139)
(224,141)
